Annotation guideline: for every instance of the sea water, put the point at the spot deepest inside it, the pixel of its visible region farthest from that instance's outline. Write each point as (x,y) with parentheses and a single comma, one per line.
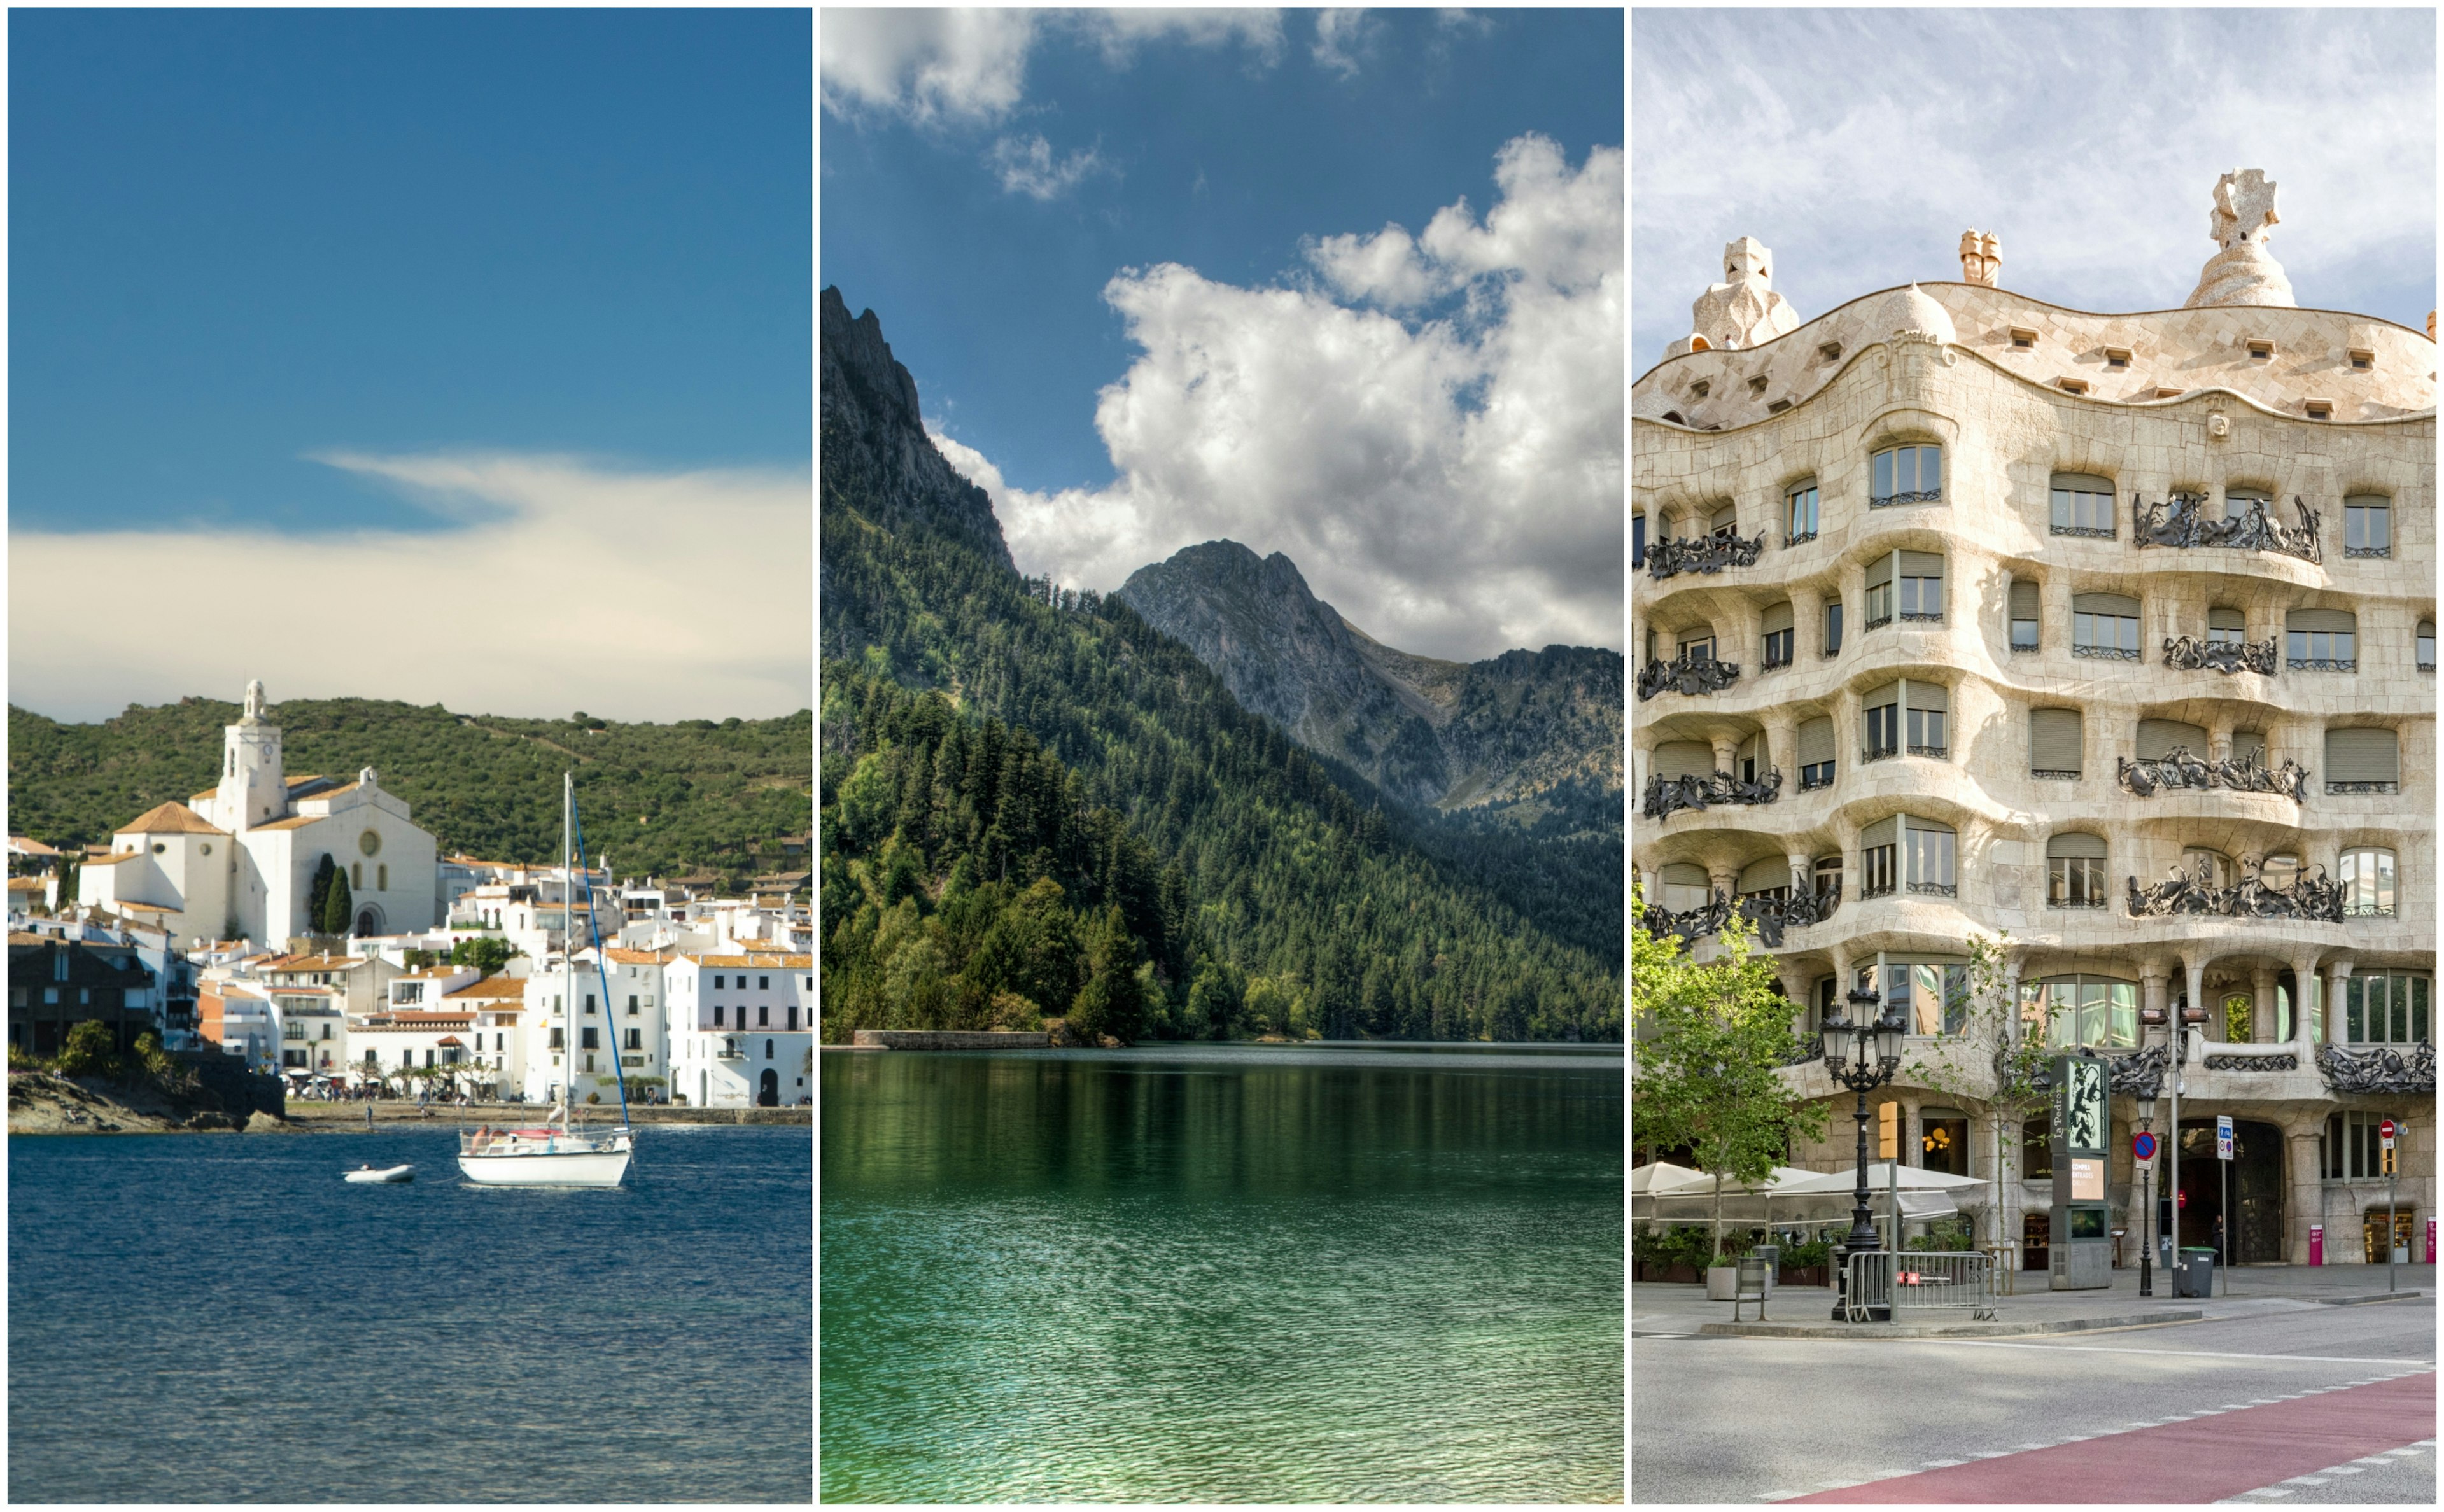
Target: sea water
(219,1318)
(1222,1273)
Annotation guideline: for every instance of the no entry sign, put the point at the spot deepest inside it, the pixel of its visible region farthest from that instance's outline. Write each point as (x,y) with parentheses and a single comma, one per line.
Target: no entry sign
(2385,1129)
(2144,1148)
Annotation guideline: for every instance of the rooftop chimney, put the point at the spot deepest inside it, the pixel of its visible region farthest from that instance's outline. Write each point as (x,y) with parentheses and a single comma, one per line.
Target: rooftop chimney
(1981,259)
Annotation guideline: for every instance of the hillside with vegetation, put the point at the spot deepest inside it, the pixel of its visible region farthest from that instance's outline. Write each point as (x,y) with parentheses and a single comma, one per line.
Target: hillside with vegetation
(985,735)
(668,800)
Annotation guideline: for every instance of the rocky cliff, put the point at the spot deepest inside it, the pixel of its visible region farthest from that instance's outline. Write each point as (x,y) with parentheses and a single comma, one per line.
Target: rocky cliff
(1456,735)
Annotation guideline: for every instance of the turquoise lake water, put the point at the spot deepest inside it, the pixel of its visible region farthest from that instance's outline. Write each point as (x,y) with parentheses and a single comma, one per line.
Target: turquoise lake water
(1222,1273)
(210,1318)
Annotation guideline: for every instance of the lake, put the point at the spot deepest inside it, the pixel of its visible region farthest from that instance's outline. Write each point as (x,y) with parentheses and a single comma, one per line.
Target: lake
(1222,1273)
(218,1317)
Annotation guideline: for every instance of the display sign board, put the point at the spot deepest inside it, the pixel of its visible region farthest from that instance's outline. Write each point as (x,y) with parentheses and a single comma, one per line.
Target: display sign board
(2223,1137)
(2087,1181)
(2081,1253)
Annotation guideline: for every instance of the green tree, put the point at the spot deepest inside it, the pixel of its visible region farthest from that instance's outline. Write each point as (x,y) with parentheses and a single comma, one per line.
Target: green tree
(318,893)
(337,907)
(92,1050)
(487,953)
(1112,1002)
(1708,1075)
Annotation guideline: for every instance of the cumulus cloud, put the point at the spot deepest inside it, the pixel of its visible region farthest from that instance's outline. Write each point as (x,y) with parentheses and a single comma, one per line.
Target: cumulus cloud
(941,67)
(1342,36)
(1029,166)
(1454,484)
(1796,127)
(628,593)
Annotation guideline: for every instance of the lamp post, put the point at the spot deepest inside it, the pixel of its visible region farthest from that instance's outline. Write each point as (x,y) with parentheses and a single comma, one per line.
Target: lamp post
(1862,1056)
(2147,1202)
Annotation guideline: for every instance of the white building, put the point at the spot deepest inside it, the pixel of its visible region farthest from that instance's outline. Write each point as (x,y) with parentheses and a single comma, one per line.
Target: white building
(239,859)
(497,1041)
(740,1031)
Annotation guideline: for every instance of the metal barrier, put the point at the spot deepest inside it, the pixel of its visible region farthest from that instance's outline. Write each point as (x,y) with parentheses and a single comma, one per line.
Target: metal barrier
(1912,1282)
(1750,1285)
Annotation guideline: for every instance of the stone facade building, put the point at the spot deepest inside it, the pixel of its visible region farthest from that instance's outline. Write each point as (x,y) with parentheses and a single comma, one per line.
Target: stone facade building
(2109,635)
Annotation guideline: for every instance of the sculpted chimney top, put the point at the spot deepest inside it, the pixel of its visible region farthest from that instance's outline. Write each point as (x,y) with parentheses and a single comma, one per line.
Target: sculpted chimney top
(1743,310)
(1981,259)
(2243,272)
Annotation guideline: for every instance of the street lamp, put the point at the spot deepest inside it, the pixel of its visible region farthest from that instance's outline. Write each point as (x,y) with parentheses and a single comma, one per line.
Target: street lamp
(2147,1201)
(1862,1056)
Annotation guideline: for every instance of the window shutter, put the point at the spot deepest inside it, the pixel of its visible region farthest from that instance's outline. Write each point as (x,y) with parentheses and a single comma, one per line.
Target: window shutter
(1930,696)
(2083,482)
(2076,845)
(1752,749)
(1684,758)
(1888,694)
(1880,571)
(1726,517)
(1882,832)
(2024,599)
(2104,604)
(2156,736)
(1921,564)
(1815,742)
(2227,620)
(2235,495)
(2368,501)
(1778,617)
(2249,746)
(1926,826)
(2314,620)
(1686,873)
(1759,877)
(1801,486)
(2054,740)
(2362,755)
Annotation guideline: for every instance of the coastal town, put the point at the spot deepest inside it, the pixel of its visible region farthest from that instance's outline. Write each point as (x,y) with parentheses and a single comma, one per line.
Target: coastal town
(306,927)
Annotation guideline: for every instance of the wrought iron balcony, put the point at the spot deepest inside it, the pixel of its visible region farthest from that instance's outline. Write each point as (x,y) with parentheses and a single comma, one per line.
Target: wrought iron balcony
(2104,652)
(2368,910)
(2332,786)
(2321,663)
(1910,618)
(2254,1062)
(2378,1070)
(2311,897)
(2103,533)
(1684,673)
(1941,753)
(1877,753)
(2053,774)
(1768,913)
(1667,796)
(1886,501)
(2179,523)
(2178,769)
(2368,551)
(1791,541)
(2185,655)
(1814,776)
(1667,558)
(2078,903)
(1935,889)
(1872,891)
(1878,624)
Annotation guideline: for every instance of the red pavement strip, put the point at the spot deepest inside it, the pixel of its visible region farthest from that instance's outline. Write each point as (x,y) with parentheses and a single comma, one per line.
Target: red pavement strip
(2194,1463)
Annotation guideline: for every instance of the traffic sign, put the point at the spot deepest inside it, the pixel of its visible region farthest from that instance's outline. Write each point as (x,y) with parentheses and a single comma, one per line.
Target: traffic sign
(2143,1147)
(2385,1129)
(2223,1137)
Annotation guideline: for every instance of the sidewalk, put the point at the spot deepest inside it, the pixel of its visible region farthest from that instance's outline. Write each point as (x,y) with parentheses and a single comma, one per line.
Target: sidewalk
(1676,1308)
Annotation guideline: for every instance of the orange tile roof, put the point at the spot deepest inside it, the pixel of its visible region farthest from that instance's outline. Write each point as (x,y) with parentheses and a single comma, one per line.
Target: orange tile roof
(115,861)
(148,907)
(763,958)
(25,884)
(490,988)
(170,818)
(209,792)
(309,777)
(628,957)
(23,846)
(27,937)
(298,823)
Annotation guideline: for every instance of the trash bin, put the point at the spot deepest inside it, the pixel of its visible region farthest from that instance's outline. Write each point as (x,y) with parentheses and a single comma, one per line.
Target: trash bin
(2195,1277)
(1772,1255)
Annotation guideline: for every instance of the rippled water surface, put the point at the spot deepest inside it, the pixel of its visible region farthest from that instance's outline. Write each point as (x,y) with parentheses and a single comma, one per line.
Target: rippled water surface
(1222,1273)
(207,1317)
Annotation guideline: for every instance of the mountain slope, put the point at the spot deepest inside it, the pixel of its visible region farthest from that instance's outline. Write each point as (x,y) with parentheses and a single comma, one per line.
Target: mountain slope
(1294,889)
(1428,731)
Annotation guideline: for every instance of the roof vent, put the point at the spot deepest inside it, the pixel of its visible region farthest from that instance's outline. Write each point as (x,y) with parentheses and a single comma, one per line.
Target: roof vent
(2071,385)
(2023,337)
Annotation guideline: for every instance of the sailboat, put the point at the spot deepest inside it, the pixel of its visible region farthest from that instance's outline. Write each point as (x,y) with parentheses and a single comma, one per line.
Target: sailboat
(554,1155)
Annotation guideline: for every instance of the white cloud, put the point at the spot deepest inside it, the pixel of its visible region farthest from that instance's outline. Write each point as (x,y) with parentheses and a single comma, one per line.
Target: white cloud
(626,594)
(1453,486)
(1341,40)
(1029,166)
(1860,144)
(967,67)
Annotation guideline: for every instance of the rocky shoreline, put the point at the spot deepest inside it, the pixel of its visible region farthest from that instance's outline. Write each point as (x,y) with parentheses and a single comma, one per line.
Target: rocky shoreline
(41,1102)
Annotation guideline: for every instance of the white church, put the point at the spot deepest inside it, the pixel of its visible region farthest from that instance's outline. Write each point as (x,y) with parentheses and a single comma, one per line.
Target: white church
(238,860)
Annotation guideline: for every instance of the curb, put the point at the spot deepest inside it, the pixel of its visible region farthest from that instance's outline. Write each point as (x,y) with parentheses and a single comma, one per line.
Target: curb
(1855,1331)
(2375,1297)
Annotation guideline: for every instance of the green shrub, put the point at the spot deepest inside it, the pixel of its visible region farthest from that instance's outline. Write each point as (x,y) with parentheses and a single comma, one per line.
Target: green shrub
(1949,1234)
(22,1059)
(92,1050)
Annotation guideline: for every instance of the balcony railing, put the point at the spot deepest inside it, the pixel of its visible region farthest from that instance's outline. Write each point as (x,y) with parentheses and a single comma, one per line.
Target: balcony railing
(2312,897)
(2367,911)
(2078,903)
(1871,890)
(1684,673)
(2094,653)
(2103,532)
(2179,523)
(2396,1072)
(1877,753)
(1667,796)
(2321,663)
(1791,541)
(1941,753)
(1878,624)
(1708,554)
(2053,775)
(2185,655)
(1909,617)
(2332,786)
(1887,500)
(2368,551)
(1814,776)
(1935,889)
(1770,913)
(2178,769)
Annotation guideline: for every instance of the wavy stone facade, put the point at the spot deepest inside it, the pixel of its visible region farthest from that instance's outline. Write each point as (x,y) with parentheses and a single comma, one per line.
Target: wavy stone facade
(1721,438)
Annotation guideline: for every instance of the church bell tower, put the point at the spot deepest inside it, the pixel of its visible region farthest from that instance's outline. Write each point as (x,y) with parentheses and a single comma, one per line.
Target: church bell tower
(252,790)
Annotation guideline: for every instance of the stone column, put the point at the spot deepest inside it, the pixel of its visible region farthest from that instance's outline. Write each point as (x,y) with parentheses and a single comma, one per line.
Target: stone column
(1849,731)
(2155,991)
(1807,623)
(1803,871)
(1727,752)
(2219,740)
(2303,982)
(2306,1202)
(1724,880)
(2053,600)
(2261,1010)
(1781,748)
(2338,976)
(2193,1049)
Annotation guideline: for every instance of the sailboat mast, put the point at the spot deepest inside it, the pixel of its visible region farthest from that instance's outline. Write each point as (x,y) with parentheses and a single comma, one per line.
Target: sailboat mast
(568,967)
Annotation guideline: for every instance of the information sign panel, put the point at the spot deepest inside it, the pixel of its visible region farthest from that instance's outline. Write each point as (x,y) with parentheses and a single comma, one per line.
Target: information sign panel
(2223,1137)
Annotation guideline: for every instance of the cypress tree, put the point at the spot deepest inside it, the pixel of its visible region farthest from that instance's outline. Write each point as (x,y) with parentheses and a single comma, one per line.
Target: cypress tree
(320,891)
(337,906)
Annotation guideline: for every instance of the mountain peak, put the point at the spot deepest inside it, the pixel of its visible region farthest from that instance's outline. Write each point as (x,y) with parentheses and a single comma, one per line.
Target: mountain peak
(874,437)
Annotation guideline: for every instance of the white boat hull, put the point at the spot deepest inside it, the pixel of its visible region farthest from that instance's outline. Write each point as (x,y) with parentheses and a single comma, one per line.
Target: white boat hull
(391,1176)
(572,1168)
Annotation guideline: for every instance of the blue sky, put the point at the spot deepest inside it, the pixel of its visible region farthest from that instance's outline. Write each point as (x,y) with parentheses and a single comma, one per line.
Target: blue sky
(269,269)
(1858,145)
(1003,190)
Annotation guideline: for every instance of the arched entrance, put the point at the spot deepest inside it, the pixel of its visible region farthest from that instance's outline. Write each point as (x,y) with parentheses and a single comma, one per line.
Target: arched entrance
(769,1095)
(2256,1185)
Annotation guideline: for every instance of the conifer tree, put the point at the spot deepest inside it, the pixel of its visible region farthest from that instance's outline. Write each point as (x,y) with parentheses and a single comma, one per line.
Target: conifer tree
(337,906)
(320,893)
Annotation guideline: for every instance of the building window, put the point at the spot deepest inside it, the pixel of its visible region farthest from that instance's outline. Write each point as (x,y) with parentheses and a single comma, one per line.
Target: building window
(2104,626)
(1685,887)
(2367,525)
(1724,526)
(1801,516)
(1921,586)
(2025,615)
(632,1004)
(357,875)
(1815,754)
(2363,360)
(636,1038)
(1832,627)
(2037,1155)
(1638,541)
(2071,1011)
(1907,474)
(2380,1009)
(381,878)
(2362,760)
(2083,504)
(1927,705)
(2367,884)
(2320,641)
(716,980)
(763,1016)
(2075,872)
(1884,727)
(1693,648)
(1880,866)
(2056,743)
(716,1016)
(2117,359)
(1927,855)
(557,1042)
(1931,995)
(2227,627)
(2260,351)
(793,1018)
(2427,645)
(1781,636)
(2354,1147)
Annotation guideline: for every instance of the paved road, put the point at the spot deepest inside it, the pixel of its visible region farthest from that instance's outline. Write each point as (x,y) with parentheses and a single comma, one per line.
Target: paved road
(2276,1400)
